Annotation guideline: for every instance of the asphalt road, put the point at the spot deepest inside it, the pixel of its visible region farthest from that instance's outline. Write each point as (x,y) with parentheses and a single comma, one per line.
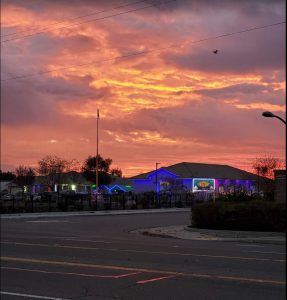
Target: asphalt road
(98,257)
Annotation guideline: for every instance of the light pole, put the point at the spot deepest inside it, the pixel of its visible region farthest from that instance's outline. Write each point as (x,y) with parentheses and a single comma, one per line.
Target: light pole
(269,114)
(156,189)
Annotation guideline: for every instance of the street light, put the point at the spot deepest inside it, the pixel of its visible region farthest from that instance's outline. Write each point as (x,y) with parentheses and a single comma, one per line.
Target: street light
(156,189)
(269,114)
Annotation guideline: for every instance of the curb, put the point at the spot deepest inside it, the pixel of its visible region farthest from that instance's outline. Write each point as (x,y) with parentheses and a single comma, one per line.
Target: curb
(158,235)
(210,235)
(219,232)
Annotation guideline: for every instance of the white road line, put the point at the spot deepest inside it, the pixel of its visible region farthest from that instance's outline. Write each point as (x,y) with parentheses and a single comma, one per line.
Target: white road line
(91,241)
(267,252)
(30,296)
(250,245)
(49,221)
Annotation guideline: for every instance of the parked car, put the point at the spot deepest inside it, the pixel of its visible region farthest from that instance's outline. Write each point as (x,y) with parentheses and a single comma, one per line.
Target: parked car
(48,196)
(18,196)
(7,197)
(36,197)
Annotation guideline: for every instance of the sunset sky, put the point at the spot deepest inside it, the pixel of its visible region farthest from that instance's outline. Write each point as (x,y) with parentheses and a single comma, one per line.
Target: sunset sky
(149,67)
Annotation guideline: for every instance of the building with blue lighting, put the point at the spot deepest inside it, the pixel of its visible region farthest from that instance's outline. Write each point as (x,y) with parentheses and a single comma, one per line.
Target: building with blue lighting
(179,178)
(118,185)
(197,177)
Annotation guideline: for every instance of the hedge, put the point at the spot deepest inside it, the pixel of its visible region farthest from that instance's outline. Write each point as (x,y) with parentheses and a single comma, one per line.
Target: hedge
(253,216)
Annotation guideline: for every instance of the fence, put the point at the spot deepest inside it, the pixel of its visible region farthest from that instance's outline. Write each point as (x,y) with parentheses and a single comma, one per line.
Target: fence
(83,202)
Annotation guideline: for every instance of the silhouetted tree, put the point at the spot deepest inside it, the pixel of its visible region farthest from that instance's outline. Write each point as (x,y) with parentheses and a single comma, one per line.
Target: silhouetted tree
(89,169)
(73,165)
(265,166)
(116,172)
(7,176)
(52,167)
(25,177)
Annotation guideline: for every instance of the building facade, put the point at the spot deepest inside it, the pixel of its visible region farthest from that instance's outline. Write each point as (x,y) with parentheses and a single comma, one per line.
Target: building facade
(196,177)
(280,185)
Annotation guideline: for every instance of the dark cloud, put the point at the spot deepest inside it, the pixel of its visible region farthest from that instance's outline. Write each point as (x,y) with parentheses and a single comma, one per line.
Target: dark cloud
(246,92)
(247,53)
(242,88)
(34,100)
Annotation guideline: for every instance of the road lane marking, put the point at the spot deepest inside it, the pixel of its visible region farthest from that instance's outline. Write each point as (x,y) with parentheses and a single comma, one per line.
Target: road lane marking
(267,252)
(250,245)
(70,273)
(50,221)
(155,271)
(95,266)
(154,279)
(91,241)
(126,275)
(111,240)
(145,252)
(30,296)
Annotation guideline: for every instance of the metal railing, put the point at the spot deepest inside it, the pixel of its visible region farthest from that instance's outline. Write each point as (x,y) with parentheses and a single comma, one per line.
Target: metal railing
(87,202)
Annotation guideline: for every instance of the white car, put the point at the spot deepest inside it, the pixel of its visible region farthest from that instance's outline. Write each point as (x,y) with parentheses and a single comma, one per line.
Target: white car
(7,197)
(36,197)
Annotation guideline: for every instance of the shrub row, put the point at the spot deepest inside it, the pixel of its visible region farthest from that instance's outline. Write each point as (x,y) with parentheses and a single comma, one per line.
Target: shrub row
(253,216)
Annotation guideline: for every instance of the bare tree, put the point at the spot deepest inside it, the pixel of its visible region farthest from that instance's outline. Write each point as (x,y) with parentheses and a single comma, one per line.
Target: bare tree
(25,177)
(116,172)
(265,166)
(73,165)
(52,167)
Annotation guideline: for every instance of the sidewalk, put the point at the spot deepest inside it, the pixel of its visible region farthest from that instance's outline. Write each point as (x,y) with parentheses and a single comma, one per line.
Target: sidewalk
(187,233)
(91,213)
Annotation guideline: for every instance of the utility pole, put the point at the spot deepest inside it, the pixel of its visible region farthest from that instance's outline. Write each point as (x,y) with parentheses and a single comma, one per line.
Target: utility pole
(97,157)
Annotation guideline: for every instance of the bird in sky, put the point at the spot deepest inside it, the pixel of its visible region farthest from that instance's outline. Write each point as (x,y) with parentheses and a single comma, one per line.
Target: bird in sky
(215,51)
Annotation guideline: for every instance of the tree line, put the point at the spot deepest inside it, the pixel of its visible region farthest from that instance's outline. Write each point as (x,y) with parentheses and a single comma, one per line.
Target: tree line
(52,167)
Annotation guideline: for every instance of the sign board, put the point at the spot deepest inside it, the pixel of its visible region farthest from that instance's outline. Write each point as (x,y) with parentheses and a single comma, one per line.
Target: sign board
(203,184)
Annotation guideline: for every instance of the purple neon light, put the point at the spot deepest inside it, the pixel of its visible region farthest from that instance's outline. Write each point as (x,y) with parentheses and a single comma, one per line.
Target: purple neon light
(162,171)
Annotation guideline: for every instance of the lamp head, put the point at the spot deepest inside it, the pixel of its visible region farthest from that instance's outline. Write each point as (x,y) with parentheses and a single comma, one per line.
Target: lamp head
(268,114)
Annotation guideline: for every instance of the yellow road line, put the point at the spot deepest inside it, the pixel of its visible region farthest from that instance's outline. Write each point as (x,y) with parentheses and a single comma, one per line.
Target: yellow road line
(94,266)
(146,252)
(154,279)
(170,273)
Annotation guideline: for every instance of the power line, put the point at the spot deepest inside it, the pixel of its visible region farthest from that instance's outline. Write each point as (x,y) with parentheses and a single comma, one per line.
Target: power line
(79,23)
(72,19)
(147,51)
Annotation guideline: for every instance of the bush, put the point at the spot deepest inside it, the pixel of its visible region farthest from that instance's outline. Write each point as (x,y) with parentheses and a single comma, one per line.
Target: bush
(253,216)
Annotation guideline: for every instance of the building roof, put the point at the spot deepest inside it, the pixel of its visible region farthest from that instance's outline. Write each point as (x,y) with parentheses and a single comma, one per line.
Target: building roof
(120,181)
(201,170)
(71,177)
